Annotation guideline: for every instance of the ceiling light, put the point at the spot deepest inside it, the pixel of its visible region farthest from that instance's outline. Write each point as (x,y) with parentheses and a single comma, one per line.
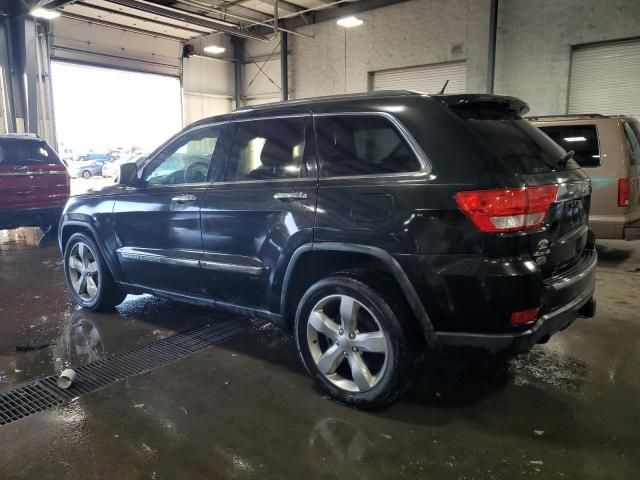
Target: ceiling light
(350,22)
(214,49)
(575,139)
(45,13)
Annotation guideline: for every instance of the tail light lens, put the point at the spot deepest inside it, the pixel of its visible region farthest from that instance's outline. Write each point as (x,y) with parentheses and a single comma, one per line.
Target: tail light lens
(507,209)
(525,317)
(623,192)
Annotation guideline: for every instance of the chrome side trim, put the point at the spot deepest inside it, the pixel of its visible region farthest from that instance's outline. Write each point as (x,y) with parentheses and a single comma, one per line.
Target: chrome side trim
(230,267)
(404,133)
(155,256)
(160,256)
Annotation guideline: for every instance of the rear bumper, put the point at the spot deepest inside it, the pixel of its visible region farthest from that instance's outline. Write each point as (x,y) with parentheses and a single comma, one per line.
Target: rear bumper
(514,343)
(30,217)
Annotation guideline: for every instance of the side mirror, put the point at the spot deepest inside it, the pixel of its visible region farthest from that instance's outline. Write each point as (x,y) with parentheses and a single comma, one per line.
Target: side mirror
(128,174)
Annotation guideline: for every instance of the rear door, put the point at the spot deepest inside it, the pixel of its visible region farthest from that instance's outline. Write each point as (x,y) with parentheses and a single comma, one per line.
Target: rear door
(31,175)
(260,210)
(632,138)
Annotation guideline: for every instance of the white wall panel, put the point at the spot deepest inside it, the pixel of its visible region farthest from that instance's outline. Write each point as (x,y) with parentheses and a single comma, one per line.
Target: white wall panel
(423,78)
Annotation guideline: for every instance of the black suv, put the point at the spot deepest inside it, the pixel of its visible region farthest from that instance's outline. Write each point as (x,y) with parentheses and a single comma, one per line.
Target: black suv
(377,227)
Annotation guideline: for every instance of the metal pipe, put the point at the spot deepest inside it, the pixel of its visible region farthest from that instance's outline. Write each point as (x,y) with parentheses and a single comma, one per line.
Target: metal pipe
(237,69)
(307,10)
(253,21)
(491,58)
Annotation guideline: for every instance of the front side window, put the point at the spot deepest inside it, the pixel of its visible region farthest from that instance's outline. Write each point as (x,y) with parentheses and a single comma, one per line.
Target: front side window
(186,160)
(268,149)
(582,139)
(14,152)
(362,145)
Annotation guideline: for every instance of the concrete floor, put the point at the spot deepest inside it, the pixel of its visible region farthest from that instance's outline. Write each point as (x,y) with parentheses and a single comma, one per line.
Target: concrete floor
(246,409)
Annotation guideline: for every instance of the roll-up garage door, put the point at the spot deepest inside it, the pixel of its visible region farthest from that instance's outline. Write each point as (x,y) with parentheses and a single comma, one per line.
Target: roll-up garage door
(84,42)
(605,79)
(423,78)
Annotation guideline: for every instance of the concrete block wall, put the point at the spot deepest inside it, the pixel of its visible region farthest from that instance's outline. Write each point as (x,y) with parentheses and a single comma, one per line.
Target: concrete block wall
(535,40)
(416,32)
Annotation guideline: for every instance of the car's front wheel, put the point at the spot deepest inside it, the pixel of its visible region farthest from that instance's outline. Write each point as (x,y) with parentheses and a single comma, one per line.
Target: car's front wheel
(88,276)
(354,341)
(86,174)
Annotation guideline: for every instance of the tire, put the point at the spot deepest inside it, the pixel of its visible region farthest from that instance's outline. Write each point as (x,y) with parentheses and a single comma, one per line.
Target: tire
(378,315)
(96,290)
(86,174)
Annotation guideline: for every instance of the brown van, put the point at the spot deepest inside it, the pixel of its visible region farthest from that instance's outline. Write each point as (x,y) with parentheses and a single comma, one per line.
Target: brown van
(608,149)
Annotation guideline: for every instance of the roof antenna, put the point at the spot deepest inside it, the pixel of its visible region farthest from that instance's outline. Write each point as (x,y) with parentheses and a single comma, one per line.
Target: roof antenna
(443,87)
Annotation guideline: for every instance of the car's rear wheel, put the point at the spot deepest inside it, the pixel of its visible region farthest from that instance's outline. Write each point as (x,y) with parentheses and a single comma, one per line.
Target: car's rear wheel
(86,174)
(354,341)
(87,275)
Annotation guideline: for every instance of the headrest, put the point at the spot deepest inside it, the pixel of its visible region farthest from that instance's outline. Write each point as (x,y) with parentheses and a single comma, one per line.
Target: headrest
(275,154)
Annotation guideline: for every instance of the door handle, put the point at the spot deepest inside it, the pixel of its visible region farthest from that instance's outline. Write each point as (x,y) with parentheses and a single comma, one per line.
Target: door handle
(284,196)
(21,169)
(183,198)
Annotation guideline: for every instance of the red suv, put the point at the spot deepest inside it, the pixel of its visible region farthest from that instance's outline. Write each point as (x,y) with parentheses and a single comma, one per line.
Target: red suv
(34,183)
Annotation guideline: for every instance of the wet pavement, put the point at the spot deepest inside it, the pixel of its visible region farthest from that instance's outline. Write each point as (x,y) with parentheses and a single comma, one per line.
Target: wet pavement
(246,409)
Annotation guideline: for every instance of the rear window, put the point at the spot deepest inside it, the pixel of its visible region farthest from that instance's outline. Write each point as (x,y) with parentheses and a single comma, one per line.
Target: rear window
(16,152)
(582,139)
(362,145)
(513,141)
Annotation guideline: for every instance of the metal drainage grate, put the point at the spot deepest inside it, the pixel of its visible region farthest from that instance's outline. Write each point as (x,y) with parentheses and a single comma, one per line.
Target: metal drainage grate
(43,394)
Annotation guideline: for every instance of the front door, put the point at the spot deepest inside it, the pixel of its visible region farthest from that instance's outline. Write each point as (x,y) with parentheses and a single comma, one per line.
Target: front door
(157,224)
(260,210)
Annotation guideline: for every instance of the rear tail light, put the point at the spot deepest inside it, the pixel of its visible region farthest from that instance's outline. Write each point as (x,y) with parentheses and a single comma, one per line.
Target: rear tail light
(623,192)
(524,317)
(507,209)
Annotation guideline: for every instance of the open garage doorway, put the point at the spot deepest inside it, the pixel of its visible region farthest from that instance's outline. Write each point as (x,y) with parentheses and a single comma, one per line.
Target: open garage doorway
(105,116)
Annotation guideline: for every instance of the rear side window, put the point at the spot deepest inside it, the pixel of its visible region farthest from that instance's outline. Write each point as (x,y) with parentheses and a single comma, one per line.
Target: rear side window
(362,145)
(632,133)
(13,152)
(582,139)
(267,149)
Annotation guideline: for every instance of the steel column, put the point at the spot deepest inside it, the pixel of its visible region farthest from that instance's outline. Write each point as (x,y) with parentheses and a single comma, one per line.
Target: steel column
(284,65)
(493,33)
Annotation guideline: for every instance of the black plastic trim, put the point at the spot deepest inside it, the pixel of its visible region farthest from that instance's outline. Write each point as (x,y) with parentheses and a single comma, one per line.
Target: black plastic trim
(396,269)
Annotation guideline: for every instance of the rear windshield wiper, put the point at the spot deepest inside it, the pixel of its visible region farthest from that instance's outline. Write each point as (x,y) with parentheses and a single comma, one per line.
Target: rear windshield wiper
(567,156)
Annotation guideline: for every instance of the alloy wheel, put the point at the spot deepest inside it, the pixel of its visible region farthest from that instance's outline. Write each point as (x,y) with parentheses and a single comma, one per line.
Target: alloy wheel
(347,343)
(83,271)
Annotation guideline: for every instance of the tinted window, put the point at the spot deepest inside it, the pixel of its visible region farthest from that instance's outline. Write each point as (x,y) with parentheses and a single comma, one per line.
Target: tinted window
(267,149)
(582,139)
(508,138)
(186,160)
(362,145)
(632,132)
(14,152)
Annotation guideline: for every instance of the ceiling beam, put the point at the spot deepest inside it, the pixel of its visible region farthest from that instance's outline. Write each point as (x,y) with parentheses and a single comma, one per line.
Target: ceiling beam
(182,15)
(332,13)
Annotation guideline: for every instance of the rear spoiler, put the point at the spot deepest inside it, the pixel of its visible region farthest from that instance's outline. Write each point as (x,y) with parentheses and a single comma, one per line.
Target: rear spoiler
(502,102)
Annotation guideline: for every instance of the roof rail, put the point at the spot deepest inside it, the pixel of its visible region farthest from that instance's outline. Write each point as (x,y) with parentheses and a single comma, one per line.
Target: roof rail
(578,115)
